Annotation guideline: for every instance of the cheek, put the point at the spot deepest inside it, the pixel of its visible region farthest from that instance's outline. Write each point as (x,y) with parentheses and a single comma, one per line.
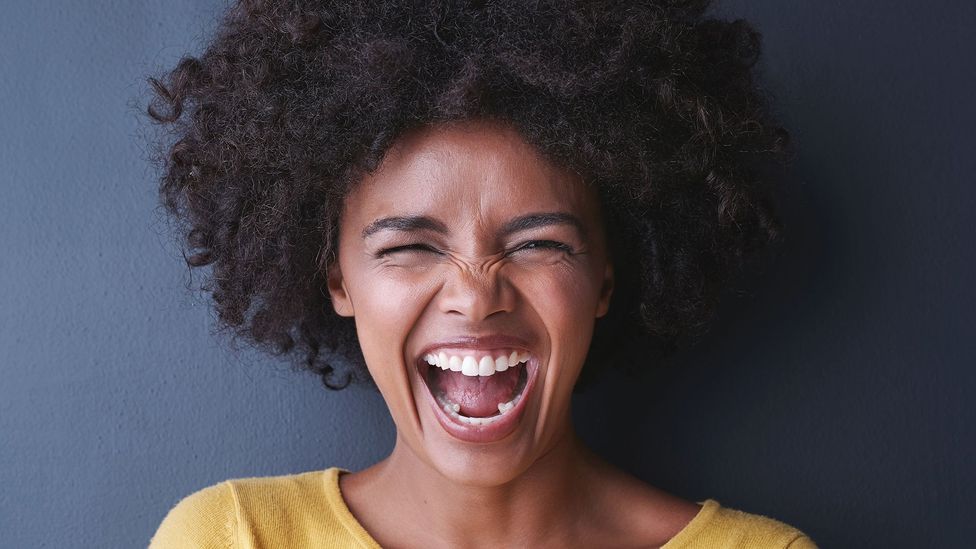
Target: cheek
(569,284)
(387,306)
(386,311)
(565,299)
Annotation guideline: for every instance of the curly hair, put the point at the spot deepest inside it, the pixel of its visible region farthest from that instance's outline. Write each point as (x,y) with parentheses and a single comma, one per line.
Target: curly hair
(653,102)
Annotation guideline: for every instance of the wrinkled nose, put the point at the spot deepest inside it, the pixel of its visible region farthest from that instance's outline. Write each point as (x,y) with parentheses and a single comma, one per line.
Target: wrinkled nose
(476,293)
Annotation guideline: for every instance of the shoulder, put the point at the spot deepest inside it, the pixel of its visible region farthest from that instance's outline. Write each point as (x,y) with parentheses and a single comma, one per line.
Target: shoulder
(216,515)
(205,518)
(717,526)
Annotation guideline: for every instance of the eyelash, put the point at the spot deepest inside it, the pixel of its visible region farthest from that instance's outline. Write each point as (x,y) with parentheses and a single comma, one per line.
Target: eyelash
(530,245)
(546,244)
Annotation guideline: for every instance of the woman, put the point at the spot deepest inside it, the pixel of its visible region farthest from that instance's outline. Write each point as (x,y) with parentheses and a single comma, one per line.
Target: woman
(470,206)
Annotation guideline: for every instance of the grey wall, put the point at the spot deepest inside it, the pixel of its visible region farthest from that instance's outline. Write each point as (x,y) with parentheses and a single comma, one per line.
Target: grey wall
(835,396)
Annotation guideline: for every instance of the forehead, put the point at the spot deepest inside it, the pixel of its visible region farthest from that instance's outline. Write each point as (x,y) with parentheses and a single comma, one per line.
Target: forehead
(472,170)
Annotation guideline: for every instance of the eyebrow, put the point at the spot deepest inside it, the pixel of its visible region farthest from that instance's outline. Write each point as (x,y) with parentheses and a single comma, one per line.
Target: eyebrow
(406,223)
(412,223)
(533,220)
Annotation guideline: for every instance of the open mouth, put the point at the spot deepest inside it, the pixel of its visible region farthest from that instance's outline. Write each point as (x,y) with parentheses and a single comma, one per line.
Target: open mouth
(476,388)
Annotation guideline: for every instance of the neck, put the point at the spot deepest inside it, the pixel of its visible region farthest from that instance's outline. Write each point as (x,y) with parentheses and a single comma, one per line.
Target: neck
(537,507)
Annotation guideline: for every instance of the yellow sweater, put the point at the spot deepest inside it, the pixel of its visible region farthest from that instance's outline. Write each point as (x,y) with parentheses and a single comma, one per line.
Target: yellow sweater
(306,511)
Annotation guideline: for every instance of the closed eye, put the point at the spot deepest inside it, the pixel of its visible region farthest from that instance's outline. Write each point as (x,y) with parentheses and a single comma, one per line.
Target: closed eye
(406,248)
(545,245)
(532,245)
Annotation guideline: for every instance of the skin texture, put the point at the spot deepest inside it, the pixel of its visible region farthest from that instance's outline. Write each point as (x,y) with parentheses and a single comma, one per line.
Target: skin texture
(539,486)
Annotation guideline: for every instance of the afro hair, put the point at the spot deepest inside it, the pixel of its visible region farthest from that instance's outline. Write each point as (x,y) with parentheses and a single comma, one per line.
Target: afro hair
(655,103)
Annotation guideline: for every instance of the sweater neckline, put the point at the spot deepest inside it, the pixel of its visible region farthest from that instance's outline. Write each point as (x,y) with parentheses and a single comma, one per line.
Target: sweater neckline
(338,503)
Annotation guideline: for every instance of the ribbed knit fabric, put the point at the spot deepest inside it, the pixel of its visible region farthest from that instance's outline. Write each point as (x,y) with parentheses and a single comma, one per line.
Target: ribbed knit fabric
(306,511)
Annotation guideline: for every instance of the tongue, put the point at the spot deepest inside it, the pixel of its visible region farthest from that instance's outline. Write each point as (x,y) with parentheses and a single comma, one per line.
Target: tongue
(479,396)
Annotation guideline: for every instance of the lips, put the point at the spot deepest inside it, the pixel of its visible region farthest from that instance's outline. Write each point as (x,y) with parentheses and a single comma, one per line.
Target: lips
(508,415)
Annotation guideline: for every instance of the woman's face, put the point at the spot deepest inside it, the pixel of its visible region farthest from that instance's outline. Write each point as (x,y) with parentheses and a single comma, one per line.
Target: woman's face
(467,243)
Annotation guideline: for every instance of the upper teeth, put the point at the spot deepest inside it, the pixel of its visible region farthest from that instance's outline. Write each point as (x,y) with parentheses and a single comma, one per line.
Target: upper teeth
(485,365)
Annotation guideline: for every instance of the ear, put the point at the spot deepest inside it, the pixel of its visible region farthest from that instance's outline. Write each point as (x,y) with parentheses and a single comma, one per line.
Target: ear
(606,290)
(341,301)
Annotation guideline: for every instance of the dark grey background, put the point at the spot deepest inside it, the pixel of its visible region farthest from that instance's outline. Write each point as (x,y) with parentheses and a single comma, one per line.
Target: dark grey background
(835,396)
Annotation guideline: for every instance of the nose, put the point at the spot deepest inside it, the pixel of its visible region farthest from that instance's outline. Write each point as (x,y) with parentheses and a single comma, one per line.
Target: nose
(476,293)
